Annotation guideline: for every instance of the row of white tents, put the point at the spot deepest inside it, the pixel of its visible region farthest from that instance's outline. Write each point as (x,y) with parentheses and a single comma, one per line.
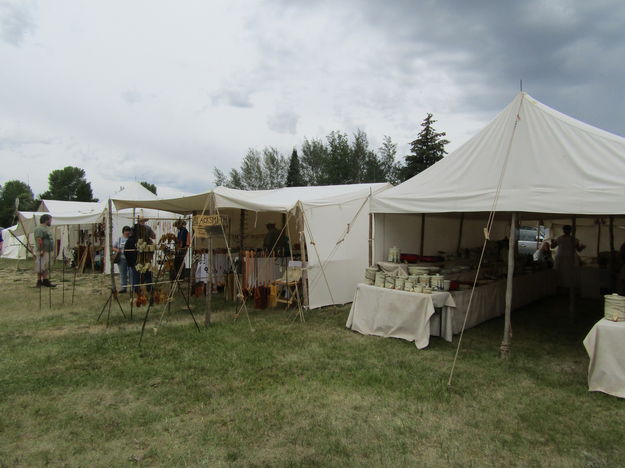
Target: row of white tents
(70,217)
(530,161)
(533,161)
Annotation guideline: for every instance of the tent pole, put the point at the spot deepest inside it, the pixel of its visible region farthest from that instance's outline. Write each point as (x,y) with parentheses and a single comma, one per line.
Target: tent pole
(304,255)
(575,271)
(598,236)
(460,233)
(209,286)
(504,349)
(611,258)
(370,239)
(422,234)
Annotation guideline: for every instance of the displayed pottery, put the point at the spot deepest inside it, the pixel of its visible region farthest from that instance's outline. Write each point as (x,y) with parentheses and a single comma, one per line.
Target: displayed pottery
(380,278)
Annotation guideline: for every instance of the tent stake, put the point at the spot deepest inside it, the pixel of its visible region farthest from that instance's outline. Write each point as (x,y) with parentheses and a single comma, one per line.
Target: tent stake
(504,349)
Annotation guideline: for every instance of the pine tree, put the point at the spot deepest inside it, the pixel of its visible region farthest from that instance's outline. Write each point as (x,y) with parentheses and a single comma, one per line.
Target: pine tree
(294,176)
(426,150)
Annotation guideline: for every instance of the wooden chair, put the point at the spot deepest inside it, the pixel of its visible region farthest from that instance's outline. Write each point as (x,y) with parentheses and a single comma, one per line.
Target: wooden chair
(290,281)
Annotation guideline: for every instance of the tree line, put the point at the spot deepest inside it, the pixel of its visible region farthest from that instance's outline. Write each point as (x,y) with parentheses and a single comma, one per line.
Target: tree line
(337,160)
(69,184)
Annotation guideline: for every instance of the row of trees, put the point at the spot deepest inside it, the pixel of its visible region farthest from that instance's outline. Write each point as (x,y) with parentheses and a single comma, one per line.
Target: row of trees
(337,160)
(68,184)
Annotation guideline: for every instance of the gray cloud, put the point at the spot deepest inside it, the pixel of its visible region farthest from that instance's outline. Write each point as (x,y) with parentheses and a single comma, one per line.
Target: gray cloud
(556,48)
(131,97)
(15,22)
(233,97)
(283,122)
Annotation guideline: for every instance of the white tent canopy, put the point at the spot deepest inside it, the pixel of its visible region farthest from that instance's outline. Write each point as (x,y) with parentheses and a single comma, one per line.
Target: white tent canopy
(13,245)
(555,165)
(335,228)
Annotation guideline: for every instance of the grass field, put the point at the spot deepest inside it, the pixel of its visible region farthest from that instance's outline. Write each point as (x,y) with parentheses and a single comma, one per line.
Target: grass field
(282,393)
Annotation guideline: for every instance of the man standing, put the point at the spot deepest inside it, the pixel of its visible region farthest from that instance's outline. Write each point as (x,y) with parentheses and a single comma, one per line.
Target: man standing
(43,241)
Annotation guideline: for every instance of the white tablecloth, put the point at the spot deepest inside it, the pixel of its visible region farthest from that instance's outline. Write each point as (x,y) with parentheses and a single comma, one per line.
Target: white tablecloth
(489,299)
(605,345)
(398,314)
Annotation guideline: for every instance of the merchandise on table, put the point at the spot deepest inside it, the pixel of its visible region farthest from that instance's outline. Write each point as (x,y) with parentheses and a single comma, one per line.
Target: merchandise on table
(614,308)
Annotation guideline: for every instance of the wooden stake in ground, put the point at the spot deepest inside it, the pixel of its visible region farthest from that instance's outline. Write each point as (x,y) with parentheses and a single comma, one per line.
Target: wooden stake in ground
(504,349)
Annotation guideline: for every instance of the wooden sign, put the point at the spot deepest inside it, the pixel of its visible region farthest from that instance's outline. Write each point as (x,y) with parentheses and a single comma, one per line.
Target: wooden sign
(205,225)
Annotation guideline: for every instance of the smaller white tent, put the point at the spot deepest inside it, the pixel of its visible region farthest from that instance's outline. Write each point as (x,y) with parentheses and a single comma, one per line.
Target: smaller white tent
(333,220)
(14,246)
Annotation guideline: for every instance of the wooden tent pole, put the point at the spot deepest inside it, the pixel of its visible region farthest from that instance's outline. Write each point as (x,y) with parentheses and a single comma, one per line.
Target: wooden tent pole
(504,349)
(209,285)
(575,270)
(460,234)
(611,258)
(370,239)
(422,234)
(304,254)
(598,236)
(109,261)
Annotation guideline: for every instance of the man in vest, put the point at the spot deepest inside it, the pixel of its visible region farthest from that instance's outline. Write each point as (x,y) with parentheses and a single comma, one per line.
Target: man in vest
(44,245)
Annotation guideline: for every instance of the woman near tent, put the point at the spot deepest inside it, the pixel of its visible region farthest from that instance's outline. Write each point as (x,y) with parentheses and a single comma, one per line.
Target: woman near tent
(124,270)
(567,261)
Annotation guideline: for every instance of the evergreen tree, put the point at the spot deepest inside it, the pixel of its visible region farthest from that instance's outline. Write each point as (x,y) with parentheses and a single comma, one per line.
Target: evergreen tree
(8,193)
(68,184)
(149,186)
(426,150)
(294,176)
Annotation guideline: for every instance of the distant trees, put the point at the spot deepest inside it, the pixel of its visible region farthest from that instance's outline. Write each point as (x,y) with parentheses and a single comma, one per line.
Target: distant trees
(69,184)
(9,192)
(258,171)
(149,186)
(336,160)
(426,150)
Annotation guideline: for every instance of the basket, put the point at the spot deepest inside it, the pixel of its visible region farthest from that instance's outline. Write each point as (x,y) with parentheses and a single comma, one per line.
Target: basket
(614,308)
(399,283)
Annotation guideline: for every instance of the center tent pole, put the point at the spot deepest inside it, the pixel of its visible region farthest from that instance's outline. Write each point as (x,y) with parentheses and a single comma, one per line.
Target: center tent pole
(504,349)
(460,234)
(422,234)
(209,286)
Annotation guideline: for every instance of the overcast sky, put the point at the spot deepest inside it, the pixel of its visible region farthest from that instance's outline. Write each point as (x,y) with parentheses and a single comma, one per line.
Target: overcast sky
(164,91)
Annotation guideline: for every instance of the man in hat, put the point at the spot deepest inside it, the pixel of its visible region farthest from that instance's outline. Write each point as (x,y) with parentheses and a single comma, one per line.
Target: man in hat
(274,242)
(150,232)
(44,245)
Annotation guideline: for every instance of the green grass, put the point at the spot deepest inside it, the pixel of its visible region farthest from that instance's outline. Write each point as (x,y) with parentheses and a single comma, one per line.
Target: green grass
(77,393)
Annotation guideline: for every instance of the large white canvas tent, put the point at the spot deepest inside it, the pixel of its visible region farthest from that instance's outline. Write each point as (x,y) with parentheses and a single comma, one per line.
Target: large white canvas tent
(552,164)
(333,221)
(531,161)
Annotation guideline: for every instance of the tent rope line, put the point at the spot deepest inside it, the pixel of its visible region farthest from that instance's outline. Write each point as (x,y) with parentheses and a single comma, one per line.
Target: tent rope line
(487,232)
